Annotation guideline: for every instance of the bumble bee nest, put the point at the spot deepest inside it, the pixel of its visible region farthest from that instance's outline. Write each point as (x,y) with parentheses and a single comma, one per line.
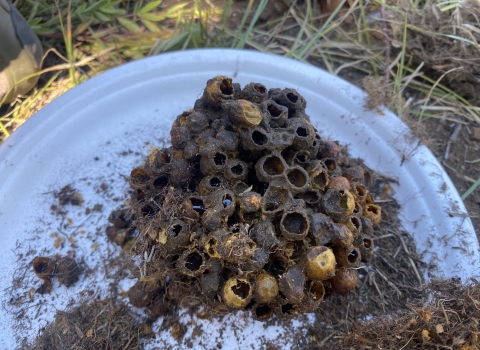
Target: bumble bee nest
(247,210)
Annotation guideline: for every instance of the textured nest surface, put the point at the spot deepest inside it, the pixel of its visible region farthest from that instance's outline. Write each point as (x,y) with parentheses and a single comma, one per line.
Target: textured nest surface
(248,209)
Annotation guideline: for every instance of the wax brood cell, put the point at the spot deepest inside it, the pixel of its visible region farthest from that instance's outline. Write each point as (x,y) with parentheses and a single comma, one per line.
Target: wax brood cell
(264,235)
(280,139)
(354,174)
(242,113)
(262,312)
(213,161)
(328,149)
(339,182)
(228,141)
(254,92)
(321,228)
(292,284)
(174,236)
(344,280)
(338,203)
(158,161)
(372,212)
(297,180)
(286,310)
(210,244)
(179,137)
(179,175)
(266,288)
(211,183)
(293,157)
(311,198)
(224,198)
(240,188)
(237,292)
(348,256)
(196,122)
(367,226)
(44,269)
(275,114)
(319,263)
(303,132)
(271,167)
(358,210)
(218,89)
(294,225)
(210,284)
(314,147)
(318,173)
(325,231)
(192,263)
(359,192)
(193,207)
(354,224)
(330,164)
(255,139)
(257,261)
(289,98)
(139,178)
(236,170)
(190,151)
(315,292)
(366,246)
(236,248)
(213,218)
(275,199)
(249,202)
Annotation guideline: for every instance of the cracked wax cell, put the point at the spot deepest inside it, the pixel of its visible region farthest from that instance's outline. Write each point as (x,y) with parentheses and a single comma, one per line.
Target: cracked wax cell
(237,292)
(217,90)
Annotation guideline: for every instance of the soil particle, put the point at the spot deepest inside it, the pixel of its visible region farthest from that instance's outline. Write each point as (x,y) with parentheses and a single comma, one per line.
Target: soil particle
(68,271)
(177,331)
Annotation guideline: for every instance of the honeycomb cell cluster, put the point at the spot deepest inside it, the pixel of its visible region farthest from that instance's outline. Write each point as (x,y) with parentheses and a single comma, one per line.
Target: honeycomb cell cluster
(248,210)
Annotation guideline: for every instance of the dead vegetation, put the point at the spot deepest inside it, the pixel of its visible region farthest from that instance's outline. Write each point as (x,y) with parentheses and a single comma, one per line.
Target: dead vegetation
(446,43)
(446,317)
(90,326)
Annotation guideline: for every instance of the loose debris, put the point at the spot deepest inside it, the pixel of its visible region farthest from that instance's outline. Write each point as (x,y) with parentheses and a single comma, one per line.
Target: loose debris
(445,317)
(68,195)
(379,92)
(66,269)
(121,231)
(91,326)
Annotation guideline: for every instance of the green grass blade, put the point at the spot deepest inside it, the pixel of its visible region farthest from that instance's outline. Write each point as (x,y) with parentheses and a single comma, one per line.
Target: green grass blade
(471,189)
(256,16)
(242,23)
(322,31)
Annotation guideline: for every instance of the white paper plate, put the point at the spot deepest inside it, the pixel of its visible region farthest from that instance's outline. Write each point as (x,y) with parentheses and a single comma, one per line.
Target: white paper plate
(133,105)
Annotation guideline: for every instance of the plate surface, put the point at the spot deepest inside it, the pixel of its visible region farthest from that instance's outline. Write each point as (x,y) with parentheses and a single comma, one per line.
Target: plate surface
(101,129)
